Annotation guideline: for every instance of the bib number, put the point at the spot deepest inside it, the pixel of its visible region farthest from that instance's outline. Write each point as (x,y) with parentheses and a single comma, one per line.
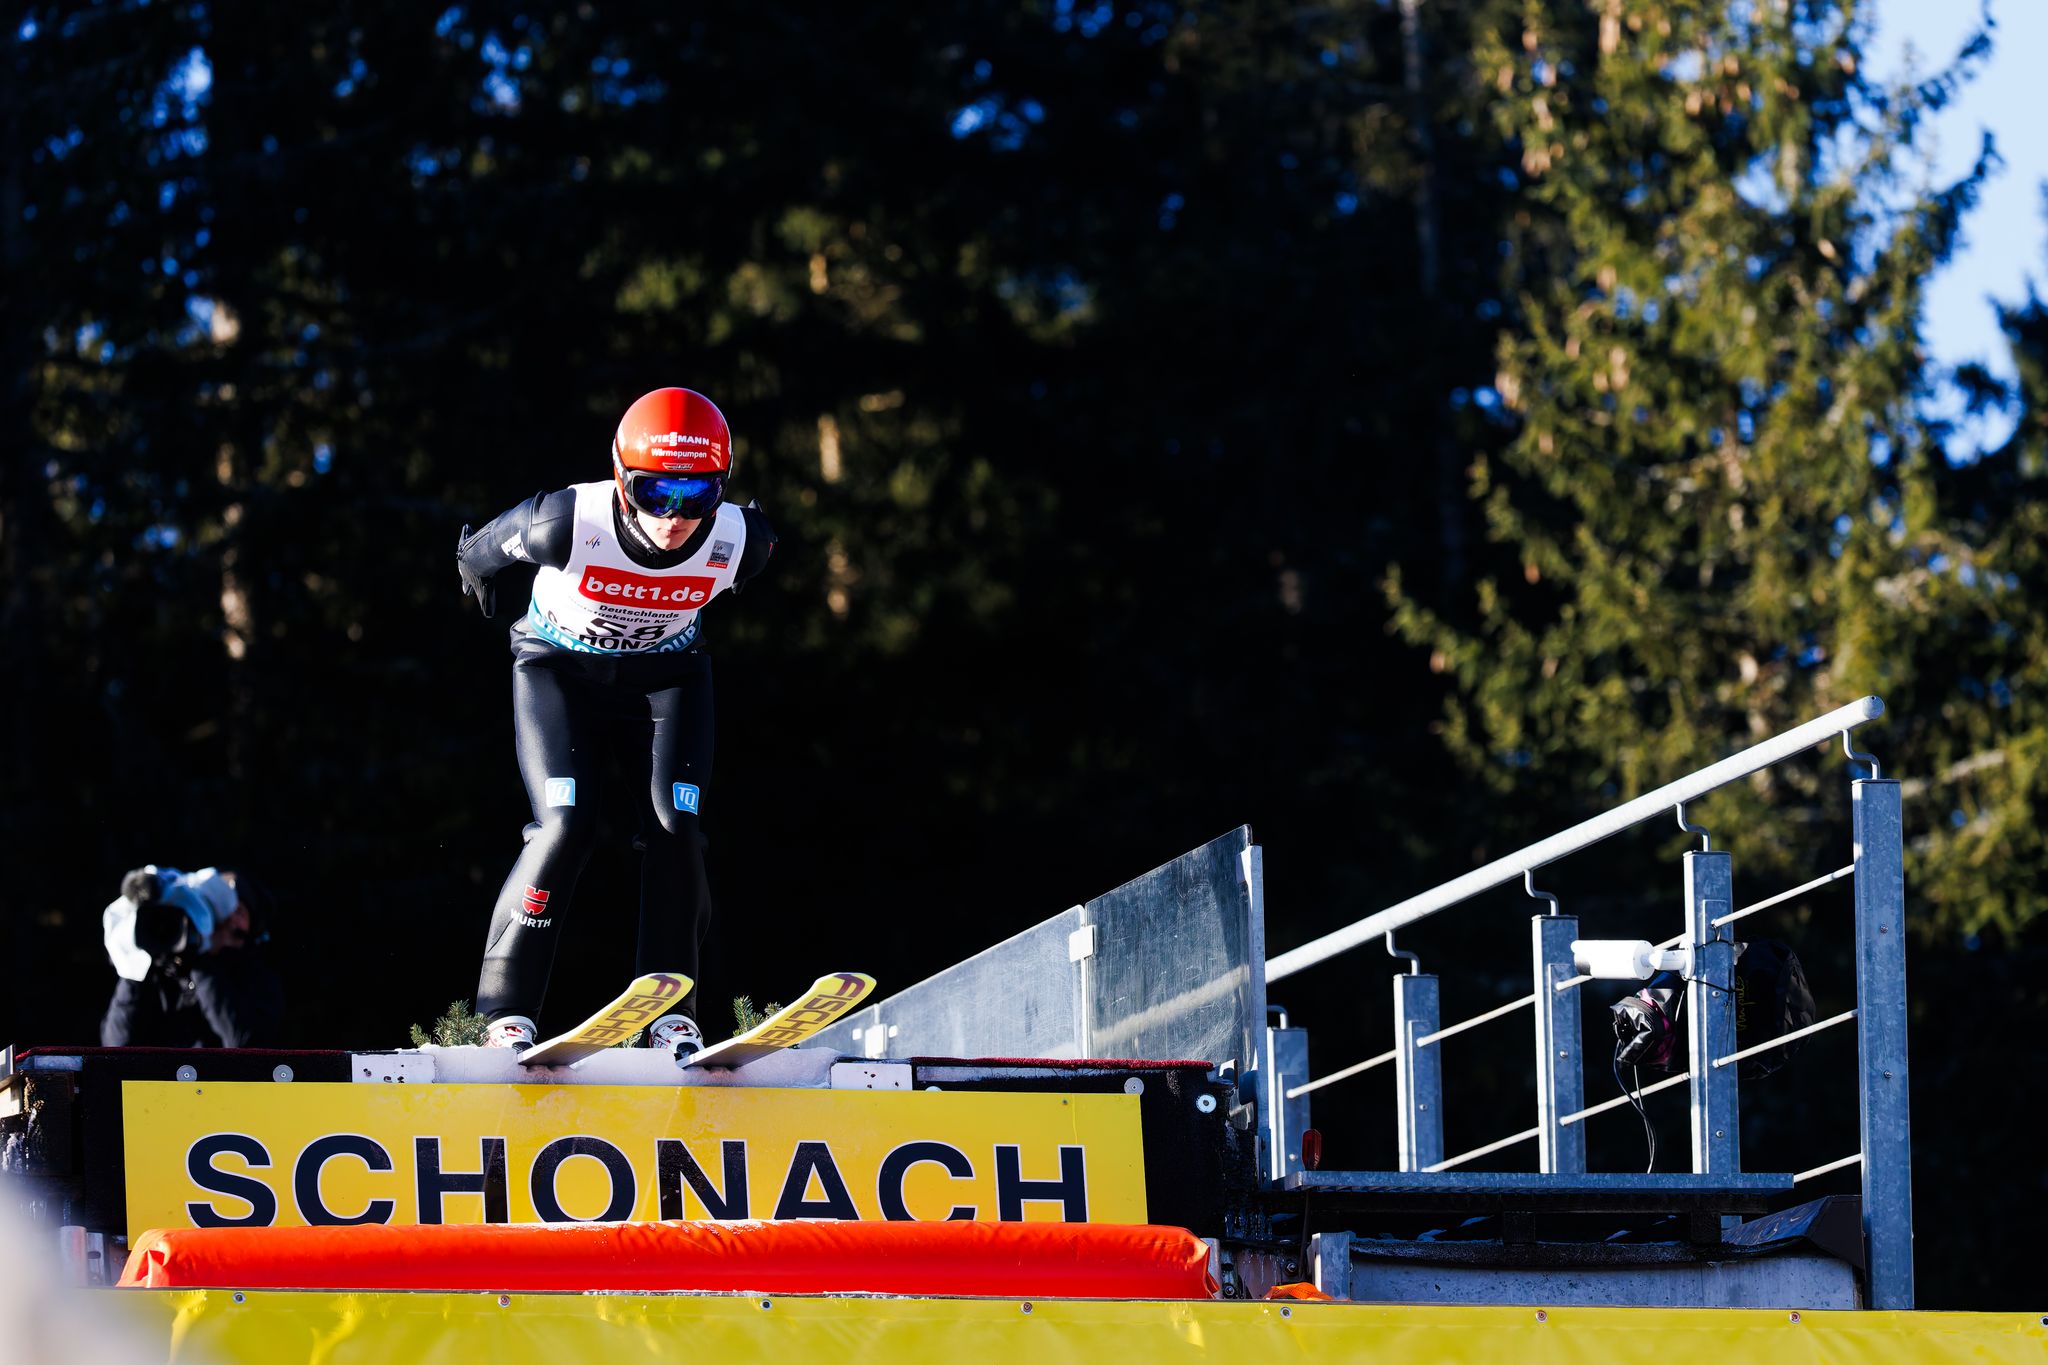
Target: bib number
(604,634)
(607,636)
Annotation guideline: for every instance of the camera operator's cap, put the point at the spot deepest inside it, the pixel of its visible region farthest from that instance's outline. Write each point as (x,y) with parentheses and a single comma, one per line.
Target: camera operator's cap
(207,897)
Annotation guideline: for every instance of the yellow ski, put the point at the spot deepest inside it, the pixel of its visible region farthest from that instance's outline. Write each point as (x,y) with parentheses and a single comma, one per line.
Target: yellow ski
(823,1005)
(645,1001)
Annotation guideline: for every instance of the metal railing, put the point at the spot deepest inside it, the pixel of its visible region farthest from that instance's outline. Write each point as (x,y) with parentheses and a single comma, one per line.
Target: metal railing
(1712,1055)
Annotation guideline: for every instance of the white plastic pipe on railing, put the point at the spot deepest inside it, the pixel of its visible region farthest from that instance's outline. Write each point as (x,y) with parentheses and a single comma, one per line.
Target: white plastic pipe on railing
(1583,835)
(1573,983)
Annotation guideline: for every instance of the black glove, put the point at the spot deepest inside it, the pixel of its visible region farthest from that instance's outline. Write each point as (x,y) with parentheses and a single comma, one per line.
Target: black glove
(473,583)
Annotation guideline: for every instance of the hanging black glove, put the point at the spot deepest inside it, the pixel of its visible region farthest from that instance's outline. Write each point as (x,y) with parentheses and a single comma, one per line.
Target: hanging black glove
(473,583)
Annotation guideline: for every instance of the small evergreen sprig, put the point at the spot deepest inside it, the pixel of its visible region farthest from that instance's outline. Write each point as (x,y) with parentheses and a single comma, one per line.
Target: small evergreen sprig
(459,1027)
(745,1016)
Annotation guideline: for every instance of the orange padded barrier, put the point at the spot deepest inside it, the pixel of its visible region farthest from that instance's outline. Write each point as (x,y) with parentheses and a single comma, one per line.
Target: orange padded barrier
(999,1260)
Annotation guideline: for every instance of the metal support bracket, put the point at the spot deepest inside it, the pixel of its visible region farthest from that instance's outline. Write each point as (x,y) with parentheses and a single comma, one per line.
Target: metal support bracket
(1282,1121)
(1881,1041)
(1560,1075)
(1418,1073)
(1710,1001)
(1329,1255)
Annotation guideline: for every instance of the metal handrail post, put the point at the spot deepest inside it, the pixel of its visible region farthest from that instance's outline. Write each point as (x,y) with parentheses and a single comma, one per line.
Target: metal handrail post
(1418,1072)
(1881,1042)
(1709,895)
(1560,1075)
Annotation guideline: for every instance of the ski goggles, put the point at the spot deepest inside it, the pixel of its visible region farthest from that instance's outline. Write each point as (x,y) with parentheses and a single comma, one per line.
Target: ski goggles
(673,495)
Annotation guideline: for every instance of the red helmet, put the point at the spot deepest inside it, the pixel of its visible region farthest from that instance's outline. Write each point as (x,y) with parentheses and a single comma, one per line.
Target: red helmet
(672,454)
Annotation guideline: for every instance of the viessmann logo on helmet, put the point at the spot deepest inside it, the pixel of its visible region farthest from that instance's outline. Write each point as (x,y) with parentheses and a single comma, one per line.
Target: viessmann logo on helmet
(683,443)
(680,452)
(600,584)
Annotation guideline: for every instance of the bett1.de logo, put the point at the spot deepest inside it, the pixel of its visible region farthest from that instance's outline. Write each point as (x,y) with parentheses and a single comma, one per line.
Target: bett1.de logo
(601,584)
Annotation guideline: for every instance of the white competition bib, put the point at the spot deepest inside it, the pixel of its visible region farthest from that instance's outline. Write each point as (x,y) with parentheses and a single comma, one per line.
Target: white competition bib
(604,603)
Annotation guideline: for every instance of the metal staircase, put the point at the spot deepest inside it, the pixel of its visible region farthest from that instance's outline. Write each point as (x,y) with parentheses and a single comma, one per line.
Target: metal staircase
(1173,965)
(1560,963)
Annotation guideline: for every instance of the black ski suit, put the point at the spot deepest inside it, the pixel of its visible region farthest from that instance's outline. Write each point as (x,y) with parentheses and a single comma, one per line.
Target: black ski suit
(655,708)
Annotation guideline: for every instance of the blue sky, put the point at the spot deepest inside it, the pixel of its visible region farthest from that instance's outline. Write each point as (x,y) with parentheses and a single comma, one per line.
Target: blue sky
(2006,239)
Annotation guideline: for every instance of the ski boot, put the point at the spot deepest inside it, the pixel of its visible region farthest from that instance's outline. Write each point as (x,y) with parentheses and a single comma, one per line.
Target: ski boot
(515,1031)
(679,1034)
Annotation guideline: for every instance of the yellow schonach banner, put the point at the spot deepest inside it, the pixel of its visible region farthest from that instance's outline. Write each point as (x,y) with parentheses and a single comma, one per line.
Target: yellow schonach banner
(267,1154)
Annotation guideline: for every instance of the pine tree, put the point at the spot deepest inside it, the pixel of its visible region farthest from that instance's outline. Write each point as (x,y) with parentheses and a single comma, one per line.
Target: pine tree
(1975,626)
(1717,510)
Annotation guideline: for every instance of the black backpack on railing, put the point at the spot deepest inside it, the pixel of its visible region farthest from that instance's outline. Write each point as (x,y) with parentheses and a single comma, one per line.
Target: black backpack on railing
(1771,1000)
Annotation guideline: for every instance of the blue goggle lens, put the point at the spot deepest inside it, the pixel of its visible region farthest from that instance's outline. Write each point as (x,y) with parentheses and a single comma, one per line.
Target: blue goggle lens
(675,495)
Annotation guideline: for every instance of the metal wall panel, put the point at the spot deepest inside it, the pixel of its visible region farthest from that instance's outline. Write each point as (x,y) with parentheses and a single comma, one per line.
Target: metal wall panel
(1166,967)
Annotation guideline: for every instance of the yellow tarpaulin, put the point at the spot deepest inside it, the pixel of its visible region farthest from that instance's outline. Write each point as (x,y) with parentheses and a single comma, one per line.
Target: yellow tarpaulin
(554,1329)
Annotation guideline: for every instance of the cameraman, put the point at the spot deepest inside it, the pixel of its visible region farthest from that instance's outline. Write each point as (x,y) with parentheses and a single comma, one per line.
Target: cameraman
(188,947)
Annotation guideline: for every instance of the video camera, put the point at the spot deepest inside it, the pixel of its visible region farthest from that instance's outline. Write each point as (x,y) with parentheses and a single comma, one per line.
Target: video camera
(163,928)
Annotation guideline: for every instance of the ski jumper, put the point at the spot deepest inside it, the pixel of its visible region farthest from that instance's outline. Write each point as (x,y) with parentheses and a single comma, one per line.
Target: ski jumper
(608,655)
